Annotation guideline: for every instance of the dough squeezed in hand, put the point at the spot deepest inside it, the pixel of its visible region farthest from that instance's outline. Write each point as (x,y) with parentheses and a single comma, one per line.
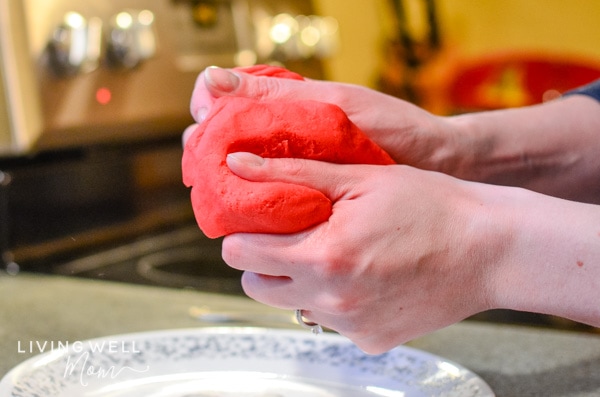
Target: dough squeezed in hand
(224,203)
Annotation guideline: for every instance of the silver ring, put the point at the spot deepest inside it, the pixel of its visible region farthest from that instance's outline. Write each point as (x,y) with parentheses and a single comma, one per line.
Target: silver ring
(314,327)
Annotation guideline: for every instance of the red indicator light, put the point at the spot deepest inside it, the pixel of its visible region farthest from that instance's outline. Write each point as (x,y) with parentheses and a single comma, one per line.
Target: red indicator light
(103,96)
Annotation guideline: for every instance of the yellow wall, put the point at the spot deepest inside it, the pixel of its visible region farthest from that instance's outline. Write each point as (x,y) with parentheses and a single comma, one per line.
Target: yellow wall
(360,32)
(475,26)
(555,25)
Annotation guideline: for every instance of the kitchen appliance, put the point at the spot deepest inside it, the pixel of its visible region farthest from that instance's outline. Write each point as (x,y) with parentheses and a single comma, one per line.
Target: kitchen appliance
(77,73)
(94,97)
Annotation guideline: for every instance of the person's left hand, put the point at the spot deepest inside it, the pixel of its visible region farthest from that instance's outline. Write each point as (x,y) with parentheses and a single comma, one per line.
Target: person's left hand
(399,257)
(410,135)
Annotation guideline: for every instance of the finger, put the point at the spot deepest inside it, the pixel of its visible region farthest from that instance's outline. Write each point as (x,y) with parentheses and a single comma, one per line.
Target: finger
(333,180)
(288,294)
(287,255)
(202,99)
(284,272)
(235,82)
(216,82)
(272,291)
(284,293)
(188,133)
(211,84)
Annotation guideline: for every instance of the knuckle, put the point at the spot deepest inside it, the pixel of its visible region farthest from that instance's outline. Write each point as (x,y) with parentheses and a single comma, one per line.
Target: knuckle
(262,87)
(292,168)
(333,263)
(283,170)
(339,305)
(338,255)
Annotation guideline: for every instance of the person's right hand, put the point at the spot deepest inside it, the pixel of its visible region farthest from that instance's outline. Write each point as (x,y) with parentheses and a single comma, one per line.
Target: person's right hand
(409,134)
(405,251)
(408,251)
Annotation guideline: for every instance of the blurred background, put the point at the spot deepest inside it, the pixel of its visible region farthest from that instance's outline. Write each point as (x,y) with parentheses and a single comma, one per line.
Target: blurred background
(456,55)
(94,97)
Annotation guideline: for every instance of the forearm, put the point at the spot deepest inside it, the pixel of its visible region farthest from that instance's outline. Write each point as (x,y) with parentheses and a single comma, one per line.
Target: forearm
(552,148)
(551,257)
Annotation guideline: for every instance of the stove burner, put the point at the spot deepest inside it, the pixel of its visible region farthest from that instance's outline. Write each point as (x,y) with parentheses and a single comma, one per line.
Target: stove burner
(183,258)
(190,267)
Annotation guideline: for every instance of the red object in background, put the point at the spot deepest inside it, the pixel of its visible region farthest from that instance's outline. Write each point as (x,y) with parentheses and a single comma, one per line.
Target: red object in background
(511,80)
(103,96)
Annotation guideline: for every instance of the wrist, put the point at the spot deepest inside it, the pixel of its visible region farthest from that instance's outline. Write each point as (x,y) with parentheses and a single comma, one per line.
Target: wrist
(489,242)
(543,263)
(550,148)
(462,147)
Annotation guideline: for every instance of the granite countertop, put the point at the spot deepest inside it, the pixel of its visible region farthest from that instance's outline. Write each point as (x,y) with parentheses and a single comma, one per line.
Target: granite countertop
(513,360)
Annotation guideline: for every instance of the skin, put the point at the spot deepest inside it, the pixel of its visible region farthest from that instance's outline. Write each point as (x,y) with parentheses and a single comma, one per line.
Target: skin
(485,210)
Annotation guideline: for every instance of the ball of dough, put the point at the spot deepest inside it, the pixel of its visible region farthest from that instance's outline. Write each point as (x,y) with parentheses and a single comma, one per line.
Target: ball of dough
(224,203)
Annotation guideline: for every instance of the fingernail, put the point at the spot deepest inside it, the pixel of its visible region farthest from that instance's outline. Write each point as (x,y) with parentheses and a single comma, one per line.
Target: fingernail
(245,158)
(221,79)
(201,114)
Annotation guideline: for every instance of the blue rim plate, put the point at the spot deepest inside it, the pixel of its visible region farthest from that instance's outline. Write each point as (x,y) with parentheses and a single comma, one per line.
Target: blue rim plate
(240,362)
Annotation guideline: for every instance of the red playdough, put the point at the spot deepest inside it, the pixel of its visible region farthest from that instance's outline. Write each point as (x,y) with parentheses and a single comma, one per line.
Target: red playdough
(224,203)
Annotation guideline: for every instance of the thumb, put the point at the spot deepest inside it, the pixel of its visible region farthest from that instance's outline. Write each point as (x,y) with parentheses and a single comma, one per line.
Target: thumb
(215,82)
(223,82)
(211,84)
(333,180)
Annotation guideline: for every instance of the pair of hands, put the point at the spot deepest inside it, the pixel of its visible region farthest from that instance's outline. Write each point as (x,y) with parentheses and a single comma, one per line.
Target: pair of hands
(401,254)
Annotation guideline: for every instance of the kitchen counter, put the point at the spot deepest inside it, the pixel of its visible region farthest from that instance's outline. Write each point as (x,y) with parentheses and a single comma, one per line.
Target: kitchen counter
(513,360)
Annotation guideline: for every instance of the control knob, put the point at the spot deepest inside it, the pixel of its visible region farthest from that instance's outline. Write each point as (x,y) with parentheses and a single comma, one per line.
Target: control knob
(75,45)
(131,39)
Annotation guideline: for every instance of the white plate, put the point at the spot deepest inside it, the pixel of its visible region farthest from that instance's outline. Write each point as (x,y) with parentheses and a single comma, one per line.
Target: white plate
(240,362)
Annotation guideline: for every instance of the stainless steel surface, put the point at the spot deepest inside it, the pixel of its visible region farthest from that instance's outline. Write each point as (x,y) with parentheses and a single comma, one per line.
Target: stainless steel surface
(94,96)
(79,73)
(89,81)
(20,113)
(4,229)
